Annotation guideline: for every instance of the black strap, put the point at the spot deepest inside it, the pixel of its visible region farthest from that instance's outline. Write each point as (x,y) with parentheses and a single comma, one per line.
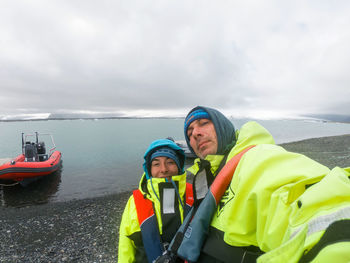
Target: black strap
(216,249)
(178,238)
(205,165)
(338,231)
(170,221)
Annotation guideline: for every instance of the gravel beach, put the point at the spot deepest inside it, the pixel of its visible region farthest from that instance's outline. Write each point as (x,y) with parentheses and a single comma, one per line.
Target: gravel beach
(87,230)
(74,231)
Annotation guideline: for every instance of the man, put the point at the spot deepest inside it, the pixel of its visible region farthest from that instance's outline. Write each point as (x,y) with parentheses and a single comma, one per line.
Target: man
(155,210)
(279,206)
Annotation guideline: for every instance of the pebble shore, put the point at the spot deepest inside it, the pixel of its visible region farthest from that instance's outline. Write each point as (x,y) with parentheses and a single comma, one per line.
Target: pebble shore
(74,231)
(87,230)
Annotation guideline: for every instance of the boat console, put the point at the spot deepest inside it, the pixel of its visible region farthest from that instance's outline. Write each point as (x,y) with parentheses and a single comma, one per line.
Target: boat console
(34,151)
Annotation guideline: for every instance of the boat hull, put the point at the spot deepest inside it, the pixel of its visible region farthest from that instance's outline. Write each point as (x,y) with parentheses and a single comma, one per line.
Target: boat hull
(19,170)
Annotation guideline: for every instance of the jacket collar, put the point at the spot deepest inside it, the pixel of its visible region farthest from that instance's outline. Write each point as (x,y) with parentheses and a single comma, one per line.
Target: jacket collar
(146,188)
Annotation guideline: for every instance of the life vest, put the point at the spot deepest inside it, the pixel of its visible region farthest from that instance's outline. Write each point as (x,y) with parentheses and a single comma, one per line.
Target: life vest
(192,234)
(148,222)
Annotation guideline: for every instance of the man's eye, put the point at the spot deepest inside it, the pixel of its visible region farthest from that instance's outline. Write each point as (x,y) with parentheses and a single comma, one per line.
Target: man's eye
(189,134)
(155,164)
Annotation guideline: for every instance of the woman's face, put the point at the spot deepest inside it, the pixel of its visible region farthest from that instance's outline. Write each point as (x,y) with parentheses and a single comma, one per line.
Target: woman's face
(163,167)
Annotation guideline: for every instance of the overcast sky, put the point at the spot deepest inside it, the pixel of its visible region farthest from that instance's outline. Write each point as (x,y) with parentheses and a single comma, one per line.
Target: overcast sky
(259,58)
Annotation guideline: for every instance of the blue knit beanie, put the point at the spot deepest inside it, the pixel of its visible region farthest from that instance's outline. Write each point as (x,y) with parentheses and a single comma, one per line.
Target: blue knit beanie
(166,152)
(195,115)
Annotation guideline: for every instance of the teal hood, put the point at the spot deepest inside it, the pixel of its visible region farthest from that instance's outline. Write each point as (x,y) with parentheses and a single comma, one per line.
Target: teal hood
(158,144)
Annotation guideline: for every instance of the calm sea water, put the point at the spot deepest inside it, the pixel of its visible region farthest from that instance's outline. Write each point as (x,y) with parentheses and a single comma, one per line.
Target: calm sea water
(105,156)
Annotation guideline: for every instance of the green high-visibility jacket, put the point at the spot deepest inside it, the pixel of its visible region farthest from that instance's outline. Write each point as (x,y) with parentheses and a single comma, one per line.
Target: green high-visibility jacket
(131,247)
(278,201)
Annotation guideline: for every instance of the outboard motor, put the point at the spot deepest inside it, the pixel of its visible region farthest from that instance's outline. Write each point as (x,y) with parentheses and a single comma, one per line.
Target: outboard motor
(41,150)
(29,152)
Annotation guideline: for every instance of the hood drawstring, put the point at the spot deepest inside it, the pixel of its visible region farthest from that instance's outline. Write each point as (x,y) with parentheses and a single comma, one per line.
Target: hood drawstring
(178,194)
(155,193)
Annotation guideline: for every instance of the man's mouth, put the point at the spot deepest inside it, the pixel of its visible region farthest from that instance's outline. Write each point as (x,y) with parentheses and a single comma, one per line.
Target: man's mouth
(202,144)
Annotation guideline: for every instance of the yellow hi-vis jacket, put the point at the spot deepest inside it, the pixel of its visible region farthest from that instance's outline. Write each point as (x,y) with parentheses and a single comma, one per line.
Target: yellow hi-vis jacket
(130,248)
(279,201)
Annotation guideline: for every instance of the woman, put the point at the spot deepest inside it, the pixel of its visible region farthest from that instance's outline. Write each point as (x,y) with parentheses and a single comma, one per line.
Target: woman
(157,208)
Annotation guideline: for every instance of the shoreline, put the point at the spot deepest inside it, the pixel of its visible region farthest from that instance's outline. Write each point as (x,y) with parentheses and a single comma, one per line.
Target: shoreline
(86,230)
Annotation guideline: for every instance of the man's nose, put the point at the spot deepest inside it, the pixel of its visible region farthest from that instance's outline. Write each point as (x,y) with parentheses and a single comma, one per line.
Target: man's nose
(196,132)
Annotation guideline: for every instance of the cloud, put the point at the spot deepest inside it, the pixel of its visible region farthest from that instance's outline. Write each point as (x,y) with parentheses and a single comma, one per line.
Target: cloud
(123,56)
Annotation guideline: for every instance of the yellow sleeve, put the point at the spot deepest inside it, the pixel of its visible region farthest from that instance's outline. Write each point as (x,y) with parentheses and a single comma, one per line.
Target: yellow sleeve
(129,225)
(267,182)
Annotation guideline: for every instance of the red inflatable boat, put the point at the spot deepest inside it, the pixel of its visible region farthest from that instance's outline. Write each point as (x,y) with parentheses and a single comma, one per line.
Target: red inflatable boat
(33,163)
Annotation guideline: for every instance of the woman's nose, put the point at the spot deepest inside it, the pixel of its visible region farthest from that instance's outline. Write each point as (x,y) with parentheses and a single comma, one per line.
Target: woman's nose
(163,167)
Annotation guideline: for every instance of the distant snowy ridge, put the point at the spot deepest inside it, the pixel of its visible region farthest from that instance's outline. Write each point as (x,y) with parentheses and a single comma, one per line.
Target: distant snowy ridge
(104,115)
(25,117)
(332,117)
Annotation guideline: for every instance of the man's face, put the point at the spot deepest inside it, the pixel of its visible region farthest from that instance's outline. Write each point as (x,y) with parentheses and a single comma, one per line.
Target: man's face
(202,136)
